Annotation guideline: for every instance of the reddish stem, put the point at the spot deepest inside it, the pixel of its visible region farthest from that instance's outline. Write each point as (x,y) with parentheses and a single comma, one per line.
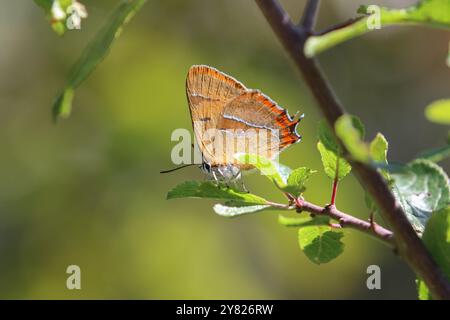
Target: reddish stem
(333,194)
(335,183)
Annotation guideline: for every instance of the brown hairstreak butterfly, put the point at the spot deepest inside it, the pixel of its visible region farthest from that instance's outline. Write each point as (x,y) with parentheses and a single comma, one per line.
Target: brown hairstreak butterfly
(229,118)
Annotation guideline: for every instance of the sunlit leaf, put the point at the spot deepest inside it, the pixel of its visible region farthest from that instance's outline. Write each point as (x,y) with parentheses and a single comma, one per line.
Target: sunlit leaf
(320,243)
(437,240)
(233,211)
(331,164)
(435,13)
(378,152)
(266,167)
(379,148)
(421,188)
(208,189)
(351,132)
(296,183)
(439,111)
(95,52)
(422,290)
(326,136)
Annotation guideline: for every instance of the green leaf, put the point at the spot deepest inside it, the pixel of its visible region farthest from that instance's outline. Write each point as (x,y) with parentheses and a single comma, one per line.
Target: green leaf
(379,148)
(272,170)
(437,240)
(436,155)
(303,220)
(331,164)
(351,132)
(421,189)
(208,189)
(331,153)
(435,13)
(96,51)
(326,136)
(439,111)
(422,290)
(320,243)
(64,103)
(378,152)
(297,180)
(59,12)
(233,211)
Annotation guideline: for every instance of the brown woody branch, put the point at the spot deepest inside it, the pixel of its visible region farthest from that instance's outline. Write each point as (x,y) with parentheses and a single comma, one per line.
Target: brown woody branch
(345,220)
(408,244)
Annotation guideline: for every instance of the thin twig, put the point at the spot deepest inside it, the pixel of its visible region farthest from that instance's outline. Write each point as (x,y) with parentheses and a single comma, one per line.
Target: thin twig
(309,15)
(409,246)
(338,26)
(347,220)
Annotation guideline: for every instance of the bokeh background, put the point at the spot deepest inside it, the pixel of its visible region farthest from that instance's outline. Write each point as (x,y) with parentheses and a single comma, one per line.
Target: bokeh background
(87,191)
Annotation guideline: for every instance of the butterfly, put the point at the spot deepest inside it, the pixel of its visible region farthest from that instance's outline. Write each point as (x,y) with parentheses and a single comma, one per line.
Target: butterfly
(229,119)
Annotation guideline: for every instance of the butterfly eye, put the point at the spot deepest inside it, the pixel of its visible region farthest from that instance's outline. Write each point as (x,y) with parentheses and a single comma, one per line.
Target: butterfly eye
(206,167)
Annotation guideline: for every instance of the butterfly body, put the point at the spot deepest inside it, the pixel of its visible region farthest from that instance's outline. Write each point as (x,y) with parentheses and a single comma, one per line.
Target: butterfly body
(229,118)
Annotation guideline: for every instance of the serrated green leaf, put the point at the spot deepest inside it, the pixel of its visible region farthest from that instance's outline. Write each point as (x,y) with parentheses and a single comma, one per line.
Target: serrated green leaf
(435,13)
(96,51)
(379,148)
(326,136)
(421,189)
(284,171)
(208,189)
(331,164)
(351,132)
(439,111)
(378,152)
(303,220)
(297,180)
(437,240)
(234,211)
(267,167)
(320,243)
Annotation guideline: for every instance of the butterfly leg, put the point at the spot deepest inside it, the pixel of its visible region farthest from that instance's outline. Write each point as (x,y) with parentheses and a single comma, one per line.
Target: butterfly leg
(222,174)
(242,185)
(215,178)
(237,180)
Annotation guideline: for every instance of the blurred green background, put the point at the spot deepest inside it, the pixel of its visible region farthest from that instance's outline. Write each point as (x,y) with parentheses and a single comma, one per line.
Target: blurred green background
(87,191)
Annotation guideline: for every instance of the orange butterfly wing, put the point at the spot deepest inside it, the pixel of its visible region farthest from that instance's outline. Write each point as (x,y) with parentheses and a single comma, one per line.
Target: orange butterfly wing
(218,101)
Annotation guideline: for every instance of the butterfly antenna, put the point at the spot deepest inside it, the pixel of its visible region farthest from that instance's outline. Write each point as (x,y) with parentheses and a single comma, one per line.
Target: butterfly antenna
(298,116)
(177,168)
